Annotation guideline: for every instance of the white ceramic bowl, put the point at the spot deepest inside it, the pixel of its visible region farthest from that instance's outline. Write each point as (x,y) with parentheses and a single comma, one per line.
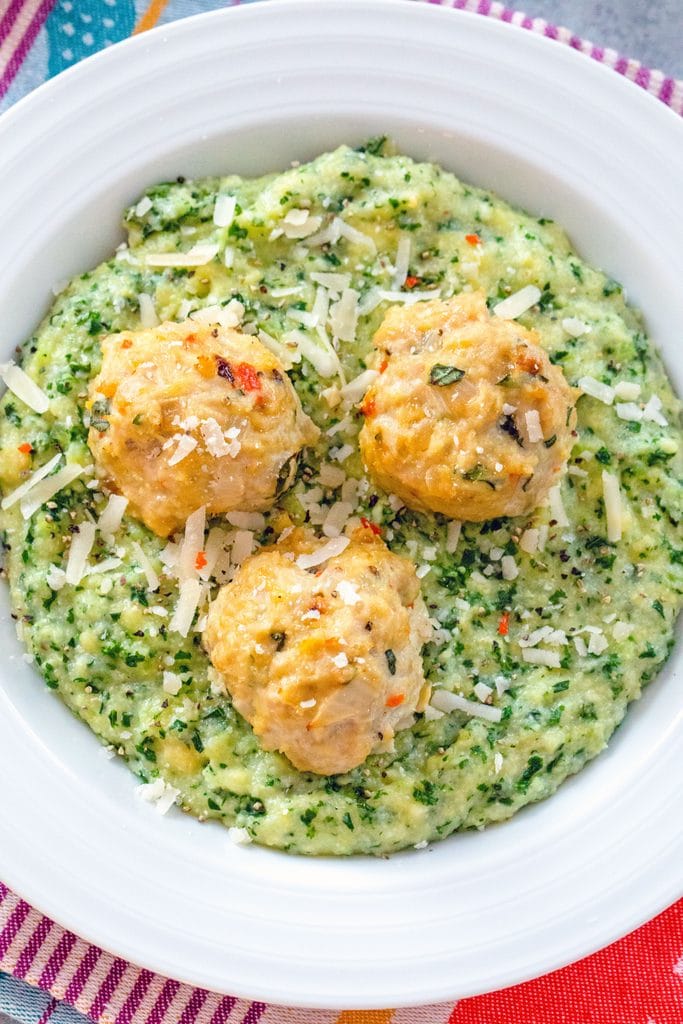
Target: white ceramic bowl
(249,90)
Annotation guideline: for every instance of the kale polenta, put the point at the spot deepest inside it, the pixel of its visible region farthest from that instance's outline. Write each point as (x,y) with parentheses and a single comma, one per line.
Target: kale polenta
(501,654)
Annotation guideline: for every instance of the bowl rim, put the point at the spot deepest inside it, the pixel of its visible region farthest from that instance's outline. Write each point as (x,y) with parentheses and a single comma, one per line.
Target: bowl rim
(84,74)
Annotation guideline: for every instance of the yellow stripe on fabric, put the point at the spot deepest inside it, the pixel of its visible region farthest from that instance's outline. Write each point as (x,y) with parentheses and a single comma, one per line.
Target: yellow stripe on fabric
(365,1017)
(150,17)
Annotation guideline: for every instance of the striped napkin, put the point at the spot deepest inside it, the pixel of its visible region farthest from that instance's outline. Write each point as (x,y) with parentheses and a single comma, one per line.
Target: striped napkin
(48,971)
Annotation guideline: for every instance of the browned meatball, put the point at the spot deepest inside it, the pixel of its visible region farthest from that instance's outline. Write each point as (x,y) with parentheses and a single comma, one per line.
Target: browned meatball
(184,415)
(468,417)
(325,663)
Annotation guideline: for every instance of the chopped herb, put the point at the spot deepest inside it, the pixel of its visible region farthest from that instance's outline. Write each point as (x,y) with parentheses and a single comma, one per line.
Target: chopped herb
(391,661)
(550,441)
(443,375)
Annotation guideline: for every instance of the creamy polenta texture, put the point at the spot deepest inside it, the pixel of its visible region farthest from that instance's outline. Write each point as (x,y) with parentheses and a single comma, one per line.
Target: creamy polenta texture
(544,626)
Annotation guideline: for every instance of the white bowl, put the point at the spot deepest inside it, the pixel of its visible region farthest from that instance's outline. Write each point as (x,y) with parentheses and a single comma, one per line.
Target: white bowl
(249,90)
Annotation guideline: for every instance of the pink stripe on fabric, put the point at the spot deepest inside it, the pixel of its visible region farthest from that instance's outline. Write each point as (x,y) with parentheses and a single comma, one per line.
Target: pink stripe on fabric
(223,1010)
(16,919)
(254,1013)
(107,988)
(197,1000)
(135,997)
(4,891)
(17,58)
(166,997)
(28,953)
(48,1011)
(666,90)
(57,960)
(83,972)
(8,18)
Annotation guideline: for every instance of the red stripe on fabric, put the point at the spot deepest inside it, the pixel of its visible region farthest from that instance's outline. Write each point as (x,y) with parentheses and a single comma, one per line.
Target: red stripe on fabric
(8,18)
(28,953)
(197,1000)
(632,980)
(85,969)
(48,1011)
(254,1013)
(57,960)
(25,44)
(9,932)
(107,988)
(135,997)
(223,1010)
(164,1000)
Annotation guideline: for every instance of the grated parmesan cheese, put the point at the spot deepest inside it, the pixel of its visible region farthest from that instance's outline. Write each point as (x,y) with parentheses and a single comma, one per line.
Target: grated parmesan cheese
(335,283)
(229,315)
(355,390)
(621,630)
(79,551)
(242,546)
(453,535)
(533,425)
(597,643)
(197,256)
(402,262)
(613,509)
(23,387)
(528,542)
(509,567)
(46,489)
(159,793)
(224,211)
(193,543)
(239,836)
(190,592)
(146,566)
(143,207)
(336,518)
(409,298)
(55,577)
(574,327)
(596,389)
(536,656)
(331,549)
(110,519)
(444,701)
(344,315)
(557,511)
(16,495)
(629,411)
(172,683)
(348,593)
(186,445)
(626,390)
(652,411)
(517,303)
(148,313)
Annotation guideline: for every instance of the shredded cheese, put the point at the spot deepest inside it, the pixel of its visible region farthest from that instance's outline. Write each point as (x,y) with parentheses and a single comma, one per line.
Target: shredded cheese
(557,511)
(574,327)
(517,303)
(444,701)
(533,425)
(23,387)
(224,211)
(110,519)
(46,489)
(183,615)
(172,683)
(355,390)
(453,535)
(528,542)
(344,315)
(16,495)
(146,566)
(629,411)
(536,656)
(402,262)
(613,509)
(596,389)
(193,543)
(148,313)
(331,549)
(186,445)
(229,315)
(79,551)
(509,567)
(159,793)
(197,256)
(626,390)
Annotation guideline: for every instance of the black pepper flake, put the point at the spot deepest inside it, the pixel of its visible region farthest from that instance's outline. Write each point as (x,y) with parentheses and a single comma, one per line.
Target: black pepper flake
(391,661)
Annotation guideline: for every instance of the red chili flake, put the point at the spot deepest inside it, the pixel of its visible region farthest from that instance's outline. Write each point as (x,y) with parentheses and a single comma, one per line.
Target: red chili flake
(369,407)
(25,448)
(126,343)
(473,239)
(383,365)
(200,561)
(247,377)
(411,281)
(395,700)
(504,624)
(371,526)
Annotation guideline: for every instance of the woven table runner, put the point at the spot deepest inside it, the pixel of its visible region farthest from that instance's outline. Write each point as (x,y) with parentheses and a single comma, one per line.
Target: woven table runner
(48,970)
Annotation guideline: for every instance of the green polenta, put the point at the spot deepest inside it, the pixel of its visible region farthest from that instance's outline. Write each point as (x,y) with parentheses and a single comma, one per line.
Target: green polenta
(105,644)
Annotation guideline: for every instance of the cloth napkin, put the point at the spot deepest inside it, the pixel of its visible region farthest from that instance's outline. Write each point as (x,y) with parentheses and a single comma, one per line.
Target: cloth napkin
(48,971)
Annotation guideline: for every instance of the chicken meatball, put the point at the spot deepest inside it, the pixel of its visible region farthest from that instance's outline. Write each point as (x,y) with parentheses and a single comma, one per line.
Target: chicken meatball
(468,416)
(323,657)
(184,415)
